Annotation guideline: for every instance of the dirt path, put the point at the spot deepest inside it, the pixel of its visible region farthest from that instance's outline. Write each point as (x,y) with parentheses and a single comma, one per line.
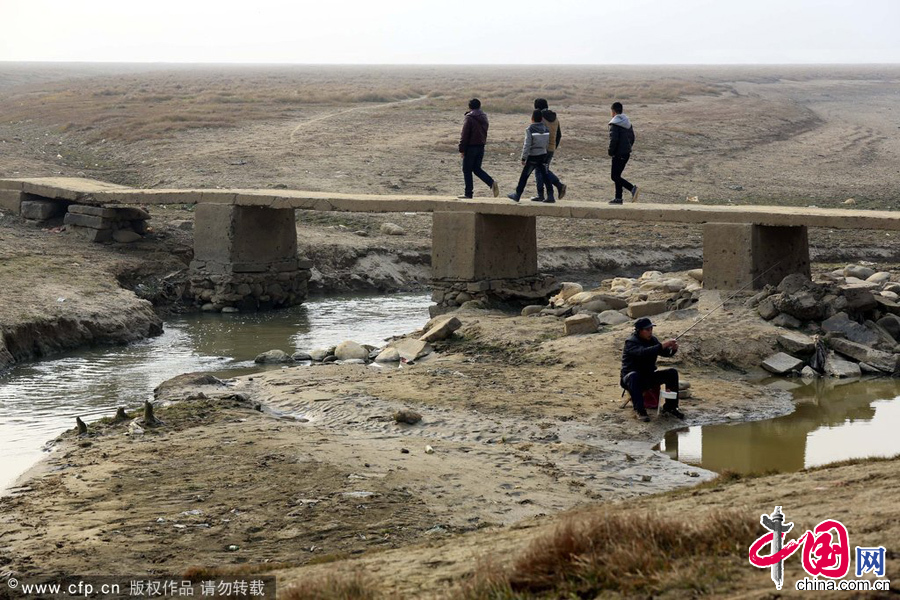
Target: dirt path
(350,110)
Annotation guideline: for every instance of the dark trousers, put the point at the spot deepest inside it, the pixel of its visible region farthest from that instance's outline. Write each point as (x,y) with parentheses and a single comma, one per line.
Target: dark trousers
(531,164)
(618,165)
(545,176)
(636,383)
(472,165)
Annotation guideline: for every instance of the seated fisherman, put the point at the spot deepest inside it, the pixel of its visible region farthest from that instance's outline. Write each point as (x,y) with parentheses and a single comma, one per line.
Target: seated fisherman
(639,371)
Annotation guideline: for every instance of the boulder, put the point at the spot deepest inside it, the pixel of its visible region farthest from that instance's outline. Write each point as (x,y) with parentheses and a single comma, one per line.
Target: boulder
(584,297)
(580,324)
(794,283)
(388,355)
(673,285)
(411,349)
(893,297)
(349,350)
(858,271)
(841,324)
(786,320)
(300,357)
(883,361)
(808,373)
(838,367)
(696,274)
(272,357)
(320,354)
(782,364)
(556,312)
(442,328)
(41,210)
(391,229)
(407,416)
(767,308)
(754,301)
(651,276)
(611,318)
(795,342)
(891,324)
(567,290)
(887,305)
(126,236)
(802,305)
(879,277)
(596,306)
(887,340)
(637,310)
(892,287)
(532,309)
(859,297)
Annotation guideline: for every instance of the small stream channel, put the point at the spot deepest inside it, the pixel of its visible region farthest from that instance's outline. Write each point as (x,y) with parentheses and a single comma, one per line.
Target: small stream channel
(40,400)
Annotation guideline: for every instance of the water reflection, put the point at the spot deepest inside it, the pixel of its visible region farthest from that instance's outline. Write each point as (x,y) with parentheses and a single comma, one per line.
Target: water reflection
(40,400)
(834,420)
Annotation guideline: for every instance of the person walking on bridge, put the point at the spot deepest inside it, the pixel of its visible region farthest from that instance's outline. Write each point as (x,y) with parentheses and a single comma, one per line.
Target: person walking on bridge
(534,155)
(621,139)
(471,147)
(552,124)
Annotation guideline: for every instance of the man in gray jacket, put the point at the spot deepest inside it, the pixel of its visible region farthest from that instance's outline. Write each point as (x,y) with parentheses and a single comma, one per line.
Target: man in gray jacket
(534,154)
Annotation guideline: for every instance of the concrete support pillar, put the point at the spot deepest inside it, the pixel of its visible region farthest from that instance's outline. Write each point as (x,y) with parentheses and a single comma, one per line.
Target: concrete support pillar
(246,257)
(736,254)
(485,257)
(11,201)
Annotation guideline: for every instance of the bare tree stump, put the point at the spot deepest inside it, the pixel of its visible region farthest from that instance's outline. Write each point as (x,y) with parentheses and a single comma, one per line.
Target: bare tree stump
(149,419)
(82,428)
(121,415)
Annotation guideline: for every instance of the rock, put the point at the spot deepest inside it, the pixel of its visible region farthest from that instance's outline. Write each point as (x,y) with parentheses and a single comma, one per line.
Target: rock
(781,364)
(126,236)
(684,384)
(596,306)
(580,324)
(767,309)
(685,394)
(556,312)
(785,320)
(532,309)
(754,301)
(795,342)
(410,417)
(429,450)
(673,285)
(349,350)
(651,276)
(808,373)
(272,357)
(300,356)
(883,361)
(41,210)
(858,271)
(388,355)
(463,297)
(893,297)
(861,283)
(734,416)
(442,328)
(583,297)
(696,274)
(841,324)
(611,318)
(652,286)
(887,340)
(879,277)
(892,287)
(230,310)
(320,354)
(622,282)
(391,229)
(331,358)
(891,324)
(838,367)
(567,290)
(859,296)
(867,368)
(887,305)
(411,349)
(479,304)
(209,307)
(794,283)
(637,310)
(802,305)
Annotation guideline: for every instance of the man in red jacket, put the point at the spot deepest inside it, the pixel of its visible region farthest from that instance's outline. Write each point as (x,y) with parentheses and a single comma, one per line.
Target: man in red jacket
(471,147)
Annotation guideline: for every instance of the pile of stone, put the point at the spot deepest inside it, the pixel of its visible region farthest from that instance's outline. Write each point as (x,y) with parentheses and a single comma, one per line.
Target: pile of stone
(105,224)
(854,310)
(450,295)
(618,300)
(406,350)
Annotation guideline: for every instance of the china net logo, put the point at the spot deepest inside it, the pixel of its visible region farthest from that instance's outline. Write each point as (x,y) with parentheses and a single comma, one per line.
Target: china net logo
(824,553)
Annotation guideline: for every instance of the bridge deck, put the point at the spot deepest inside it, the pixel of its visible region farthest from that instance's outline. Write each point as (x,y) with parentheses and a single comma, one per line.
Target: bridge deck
(86,191)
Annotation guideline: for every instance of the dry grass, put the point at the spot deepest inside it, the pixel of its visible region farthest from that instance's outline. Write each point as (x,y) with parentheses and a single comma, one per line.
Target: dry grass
(623,552)
(357,586)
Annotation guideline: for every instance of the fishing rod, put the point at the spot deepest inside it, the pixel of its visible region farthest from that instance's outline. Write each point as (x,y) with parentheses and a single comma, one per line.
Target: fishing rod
(752,281)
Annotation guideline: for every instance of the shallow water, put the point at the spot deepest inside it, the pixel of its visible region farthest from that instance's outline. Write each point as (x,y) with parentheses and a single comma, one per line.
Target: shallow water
(834,420)
(40,400)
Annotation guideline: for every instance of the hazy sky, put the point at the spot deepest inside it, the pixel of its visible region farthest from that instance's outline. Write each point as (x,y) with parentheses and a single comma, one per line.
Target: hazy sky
(423,31)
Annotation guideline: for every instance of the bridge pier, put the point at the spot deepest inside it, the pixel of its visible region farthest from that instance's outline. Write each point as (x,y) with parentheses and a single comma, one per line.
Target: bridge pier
(736,254)
(478,256)
(246,257)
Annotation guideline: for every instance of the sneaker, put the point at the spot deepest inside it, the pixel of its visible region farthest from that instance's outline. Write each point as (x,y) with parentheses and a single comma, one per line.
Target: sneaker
(562,191)
(495,189)
(616,201)
(674,412)
(549,201)
(537,198)
(463,197)
(641,415)
(634,193)
(513,196)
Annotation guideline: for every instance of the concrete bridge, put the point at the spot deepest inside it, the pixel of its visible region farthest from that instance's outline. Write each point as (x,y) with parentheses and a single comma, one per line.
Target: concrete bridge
(245,243)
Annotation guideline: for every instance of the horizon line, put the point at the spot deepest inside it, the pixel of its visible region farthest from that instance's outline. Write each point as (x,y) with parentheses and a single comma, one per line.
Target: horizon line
(361,64)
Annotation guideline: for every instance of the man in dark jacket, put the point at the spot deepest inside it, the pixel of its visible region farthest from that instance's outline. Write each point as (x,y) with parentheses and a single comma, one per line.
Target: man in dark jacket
(552,124)
(639,368)
(621,139)
(471,147)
